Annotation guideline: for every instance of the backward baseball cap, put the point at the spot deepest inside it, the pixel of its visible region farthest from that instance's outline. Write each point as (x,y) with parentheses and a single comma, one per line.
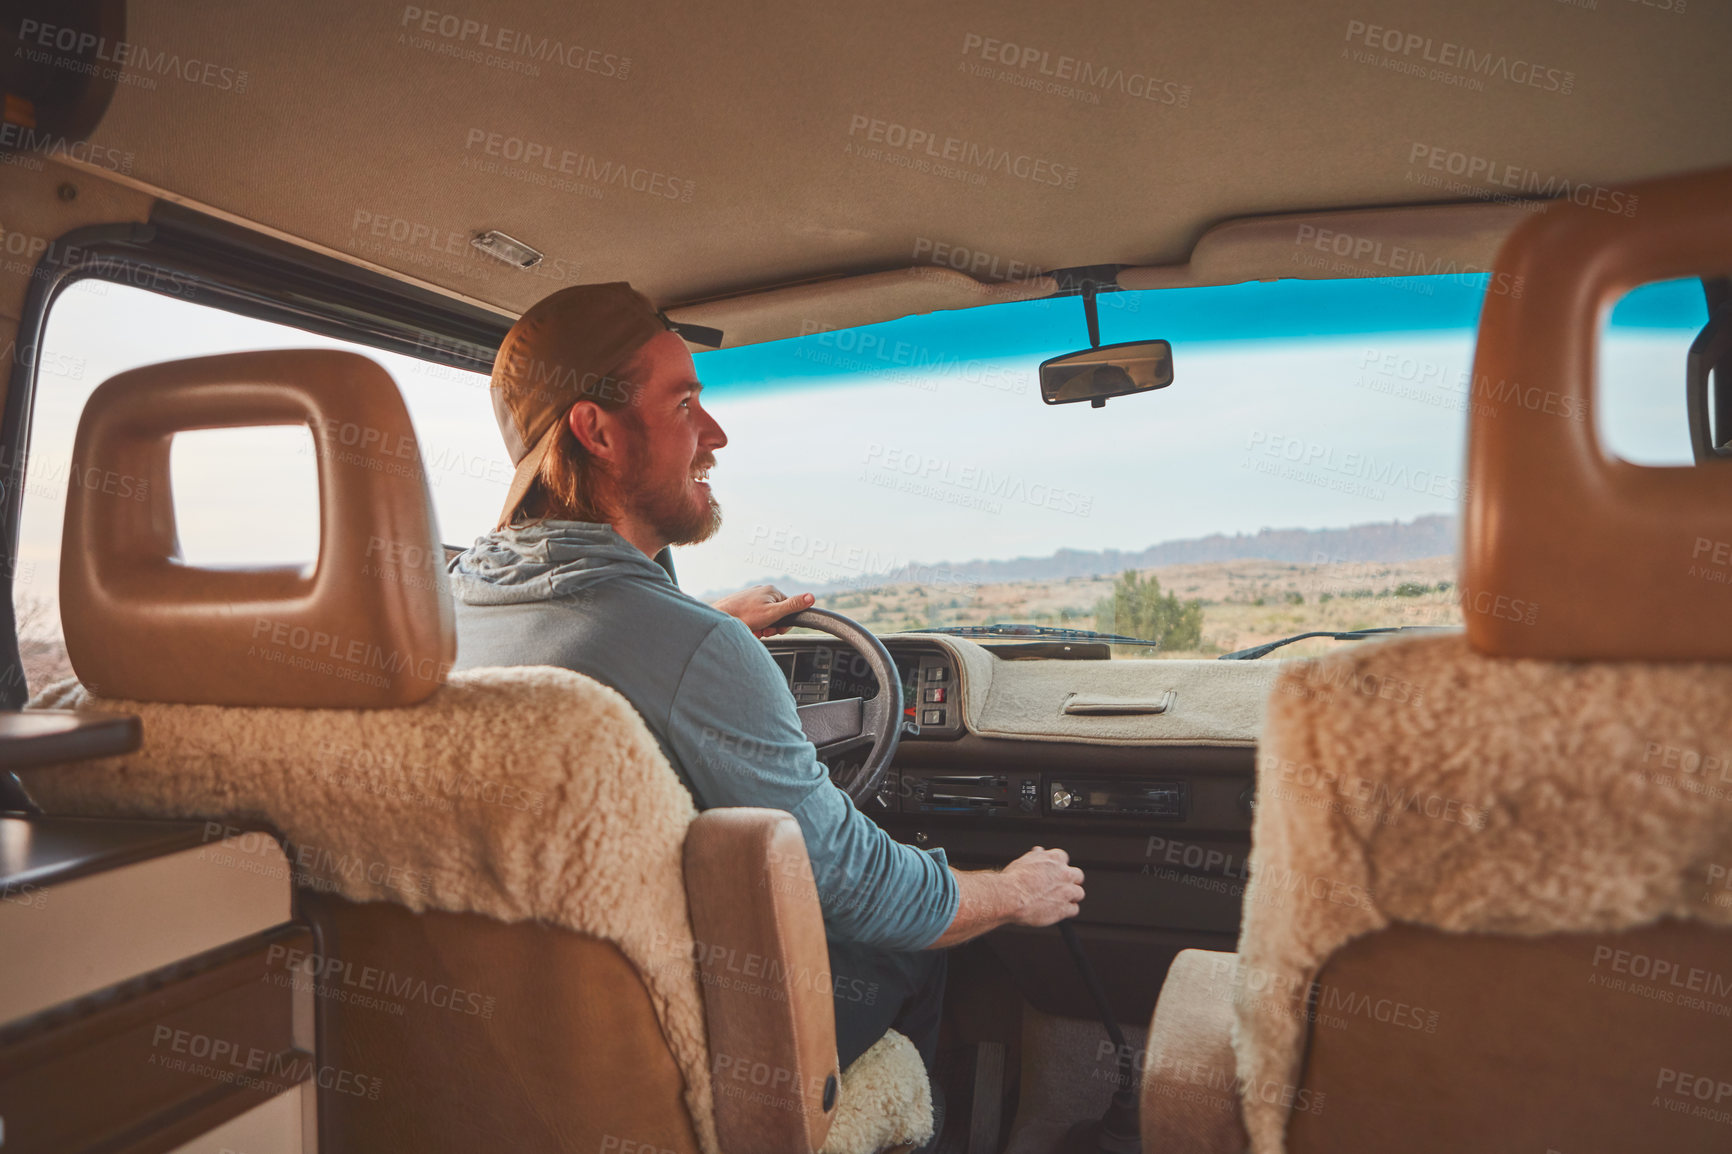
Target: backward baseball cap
(562,351)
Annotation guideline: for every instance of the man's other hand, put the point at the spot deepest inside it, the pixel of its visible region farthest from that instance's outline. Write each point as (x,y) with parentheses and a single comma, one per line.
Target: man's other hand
(761,606)
(1040,888)
(1047,888)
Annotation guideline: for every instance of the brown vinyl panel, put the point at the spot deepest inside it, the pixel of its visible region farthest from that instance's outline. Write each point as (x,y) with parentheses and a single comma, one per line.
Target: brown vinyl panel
(486,1036)
(151,1064)
(1426,1042)
(768,990)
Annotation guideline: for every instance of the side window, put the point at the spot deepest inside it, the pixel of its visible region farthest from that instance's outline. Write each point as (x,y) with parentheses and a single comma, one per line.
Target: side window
(1641,415)
(241,496)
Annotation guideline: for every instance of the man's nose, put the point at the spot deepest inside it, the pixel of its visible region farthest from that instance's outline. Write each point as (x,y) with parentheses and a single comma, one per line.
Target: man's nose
(712,436)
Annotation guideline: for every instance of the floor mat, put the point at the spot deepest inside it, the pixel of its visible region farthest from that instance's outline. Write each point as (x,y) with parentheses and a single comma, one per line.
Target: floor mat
(1069,1071)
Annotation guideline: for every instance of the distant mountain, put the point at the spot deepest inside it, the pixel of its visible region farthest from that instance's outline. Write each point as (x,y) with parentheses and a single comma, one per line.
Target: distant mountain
(1433,535)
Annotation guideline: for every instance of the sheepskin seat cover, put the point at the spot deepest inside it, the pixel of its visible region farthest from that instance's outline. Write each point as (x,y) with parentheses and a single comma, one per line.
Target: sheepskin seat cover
(886,1100)
(521,793)
(1412,780)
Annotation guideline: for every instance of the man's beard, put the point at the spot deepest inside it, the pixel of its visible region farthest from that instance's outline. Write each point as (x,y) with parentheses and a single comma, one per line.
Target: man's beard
(668,508)
(690,523)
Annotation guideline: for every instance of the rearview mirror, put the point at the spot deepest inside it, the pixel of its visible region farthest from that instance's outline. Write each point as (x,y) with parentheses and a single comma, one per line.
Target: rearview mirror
(1093,375)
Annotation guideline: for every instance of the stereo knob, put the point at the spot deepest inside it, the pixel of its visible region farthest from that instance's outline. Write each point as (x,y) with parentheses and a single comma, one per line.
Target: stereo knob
(1061,798)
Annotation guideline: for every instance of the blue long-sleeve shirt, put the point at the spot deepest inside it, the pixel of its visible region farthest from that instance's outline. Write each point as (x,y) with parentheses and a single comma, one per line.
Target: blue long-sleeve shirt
(578,595)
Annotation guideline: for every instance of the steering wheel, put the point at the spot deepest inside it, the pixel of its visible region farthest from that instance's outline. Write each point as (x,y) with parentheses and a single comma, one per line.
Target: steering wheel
(839,727)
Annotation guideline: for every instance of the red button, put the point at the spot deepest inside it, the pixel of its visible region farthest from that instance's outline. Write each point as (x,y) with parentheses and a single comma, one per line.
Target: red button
(936,696)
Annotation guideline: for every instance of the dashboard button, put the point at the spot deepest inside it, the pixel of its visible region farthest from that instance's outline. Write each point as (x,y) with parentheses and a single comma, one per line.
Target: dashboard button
(936,696)
(937,673)
(932,717)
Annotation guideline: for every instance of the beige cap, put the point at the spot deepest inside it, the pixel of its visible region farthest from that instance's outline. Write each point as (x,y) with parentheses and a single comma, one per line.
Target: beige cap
(558,353)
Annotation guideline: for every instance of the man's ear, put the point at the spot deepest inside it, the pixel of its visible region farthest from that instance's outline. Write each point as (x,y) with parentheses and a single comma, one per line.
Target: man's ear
(594,429)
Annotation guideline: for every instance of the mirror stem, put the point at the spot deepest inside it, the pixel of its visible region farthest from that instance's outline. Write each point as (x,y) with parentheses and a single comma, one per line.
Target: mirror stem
(1093,313)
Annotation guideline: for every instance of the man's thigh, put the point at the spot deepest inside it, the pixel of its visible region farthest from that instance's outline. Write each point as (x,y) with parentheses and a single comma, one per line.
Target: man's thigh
(877,989)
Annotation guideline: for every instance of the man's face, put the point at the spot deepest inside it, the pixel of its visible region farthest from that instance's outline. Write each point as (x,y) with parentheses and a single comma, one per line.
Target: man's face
(669,444)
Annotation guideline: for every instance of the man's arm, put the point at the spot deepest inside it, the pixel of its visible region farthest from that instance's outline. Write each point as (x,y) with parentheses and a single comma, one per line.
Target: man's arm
(1039,888)
(733,727)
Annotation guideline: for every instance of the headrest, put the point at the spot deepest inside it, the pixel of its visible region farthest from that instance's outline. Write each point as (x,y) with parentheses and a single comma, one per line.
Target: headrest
(369,626)
(1568,553)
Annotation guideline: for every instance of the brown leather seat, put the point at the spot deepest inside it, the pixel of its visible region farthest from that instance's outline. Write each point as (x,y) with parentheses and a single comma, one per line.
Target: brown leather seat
(1492,915)
(528,938)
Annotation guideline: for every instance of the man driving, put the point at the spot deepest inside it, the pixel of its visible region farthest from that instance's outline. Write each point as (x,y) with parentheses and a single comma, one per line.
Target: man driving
(601,410)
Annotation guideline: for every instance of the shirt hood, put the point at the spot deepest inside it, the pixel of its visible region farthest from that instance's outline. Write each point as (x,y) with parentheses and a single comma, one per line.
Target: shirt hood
(553,559)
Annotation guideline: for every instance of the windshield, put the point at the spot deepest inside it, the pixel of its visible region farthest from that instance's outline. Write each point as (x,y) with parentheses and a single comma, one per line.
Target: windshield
(1304,472)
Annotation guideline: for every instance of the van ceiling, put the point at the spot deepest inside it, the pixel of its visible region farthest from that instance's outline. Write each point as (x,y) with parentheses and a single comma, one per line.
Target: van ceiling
(701,150)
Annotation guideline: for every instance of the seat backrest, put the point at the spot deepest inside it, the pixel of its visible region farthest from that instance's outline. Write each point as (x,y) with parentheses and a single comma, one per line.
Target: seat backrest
(497,868)
(1488,907)
(528,1036)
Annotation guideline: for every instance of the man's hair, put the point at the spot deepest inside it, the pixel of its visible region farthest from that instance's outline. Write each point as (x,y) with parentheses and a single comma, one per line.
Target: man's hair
(565,487)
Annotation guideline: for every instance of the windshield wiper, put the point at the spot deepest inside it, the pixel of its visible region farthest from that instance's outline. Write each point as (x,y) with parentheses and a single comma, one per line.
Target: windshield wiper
(1042,631)
(1257,651)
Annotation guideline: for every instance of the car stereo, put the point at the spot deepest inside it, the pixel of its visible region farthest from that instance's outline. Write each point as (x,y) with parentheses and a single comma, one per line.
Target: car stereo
(1020,793)
(1115,797)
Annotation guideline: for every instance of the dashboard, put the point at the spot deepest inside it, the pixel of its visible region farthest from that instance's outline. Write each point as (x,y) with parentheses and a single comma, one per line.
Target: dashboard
(1154,803)
(931,707)
(1016,781)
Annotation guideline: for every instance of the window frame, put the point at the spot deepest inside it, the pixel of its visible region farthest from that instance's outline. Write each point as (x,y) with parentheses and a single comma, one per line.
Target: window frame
(179,252)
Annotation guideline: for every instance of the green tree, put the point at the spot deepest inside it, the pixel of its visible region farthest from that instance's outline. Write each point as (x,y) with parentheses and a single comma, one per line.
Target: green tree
(1138,607)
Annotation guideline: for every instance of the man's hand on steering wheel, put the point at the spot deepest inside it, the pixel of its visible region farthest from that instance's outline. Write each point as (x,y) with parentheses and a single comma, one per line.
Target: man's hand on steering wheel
(761,606)
(841,728)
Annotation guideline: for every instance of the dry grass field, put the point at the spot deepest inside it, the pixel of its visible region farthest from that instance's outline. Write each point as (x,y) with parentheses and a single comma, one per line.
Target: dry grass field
(1245,603)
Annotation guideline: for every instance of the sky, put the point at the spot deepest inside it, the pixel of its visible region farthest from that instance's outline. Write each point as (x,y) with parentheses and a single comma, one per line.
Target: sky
(1295,404)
